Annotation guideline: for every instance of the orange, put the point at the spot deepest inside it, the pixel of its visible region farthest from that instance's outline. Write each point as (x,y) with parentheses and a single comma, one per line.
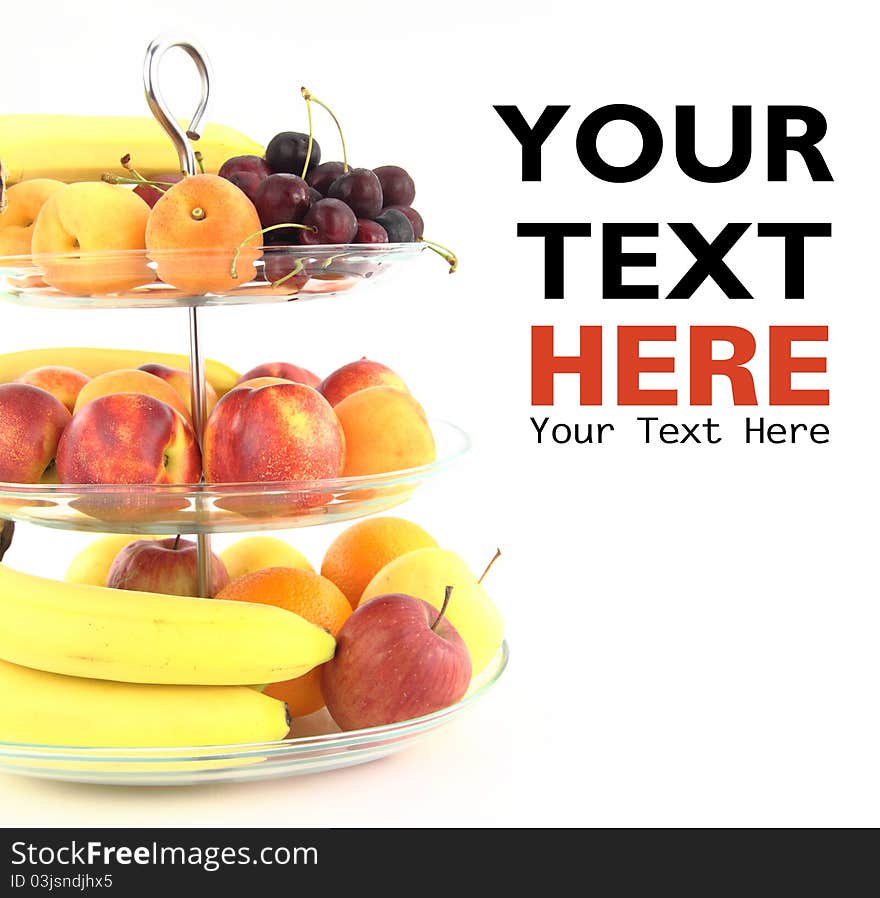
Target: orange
(210,217)
(310,596)
(361,551)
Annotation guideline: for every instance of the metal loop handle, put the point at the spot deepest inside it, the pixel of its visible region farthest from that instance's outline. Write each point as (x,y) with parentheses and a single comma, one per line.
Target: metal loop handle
(181,139)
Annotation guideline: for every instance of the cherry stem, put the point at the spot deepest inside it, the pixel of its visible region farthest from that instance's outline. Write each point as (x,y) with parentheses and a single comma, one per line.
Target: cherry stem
(308,100)
(309,96)
(442,609)
(233,269)
(292,273)
(443,251)
(176,543)
(495,558)
(110,178)
(200,161)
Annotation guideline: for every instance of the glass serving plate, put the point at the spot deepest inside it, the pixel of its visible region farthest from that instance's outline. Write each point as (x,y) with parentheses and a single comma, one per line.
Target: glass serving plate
(223,507)
(198,277)
(321,747)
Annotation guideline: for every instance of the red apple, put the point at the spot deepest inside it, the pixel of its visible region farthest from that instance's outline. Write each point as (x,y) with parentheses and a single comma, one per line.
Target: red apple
(396,658)
(356,376)
(285,371)
(180,380)
(31,424)
(169,566)
(128,438)
(62,382)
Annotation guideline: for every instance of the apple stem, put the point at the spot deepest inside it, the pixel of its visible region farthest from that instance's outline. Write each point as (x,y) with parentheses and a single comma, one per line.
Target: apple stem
(443,251)
(495,558)
(233,269)
(309,97)
(176,543)
(443,608)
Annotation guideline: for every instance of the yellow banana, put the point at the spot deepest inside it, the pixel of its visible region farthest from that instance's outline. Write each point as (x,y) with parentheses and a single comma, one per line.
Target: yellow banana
(99,361)
(142,637)
(82,148)
(50,709)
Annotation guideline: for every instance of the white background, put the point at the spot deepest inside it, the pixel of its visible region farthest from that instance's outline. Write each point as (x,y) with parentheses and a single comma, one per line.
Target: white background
(693,628)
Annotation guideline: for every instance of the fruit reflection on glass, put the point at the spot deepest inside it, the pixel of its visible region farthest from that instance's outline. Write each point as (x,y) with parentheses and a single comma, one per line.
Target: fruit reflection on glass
(312,597)
(62,382)
(396,658)
(210,214)
(168,566)
(31,424)
(92,217)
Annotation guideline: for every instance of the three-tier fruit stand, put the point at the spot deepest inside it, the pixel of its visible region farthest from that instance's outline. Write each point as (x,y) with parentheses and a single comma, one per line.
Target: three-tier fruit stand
(205,509)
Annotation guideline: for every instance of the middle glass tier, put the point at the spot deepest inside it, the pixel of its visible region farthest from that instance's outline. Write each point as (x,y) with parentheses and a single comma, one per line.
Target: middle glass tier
(226,507)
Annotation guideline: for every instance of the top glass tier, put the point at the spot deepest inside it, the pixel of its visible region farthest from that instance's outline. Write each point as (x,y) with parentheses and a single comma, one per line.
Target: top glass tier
(184,278)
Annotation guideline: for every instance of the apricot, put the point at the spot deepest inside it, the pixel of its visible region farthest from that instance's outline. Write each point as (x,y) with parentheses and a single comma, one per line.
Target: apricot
(131,381)
(210,217)
(25,200)
(385,430)
(92,217)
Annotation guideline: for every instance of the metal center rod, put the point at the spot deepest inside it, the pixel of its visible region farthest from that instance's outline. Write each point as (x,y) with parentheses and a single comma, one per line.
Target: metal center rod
(199,403)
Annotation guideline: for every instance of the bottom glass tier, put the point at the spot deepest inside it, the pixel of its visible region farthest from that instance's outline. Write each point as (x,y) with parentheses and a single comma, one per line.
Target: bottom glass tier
(322,747)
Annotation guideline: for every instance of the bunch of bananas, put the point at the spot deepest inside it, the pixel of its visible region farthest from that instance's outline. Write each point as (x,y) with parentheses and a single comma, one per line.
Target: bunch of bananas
(95,361)
(87,665)
(82,148)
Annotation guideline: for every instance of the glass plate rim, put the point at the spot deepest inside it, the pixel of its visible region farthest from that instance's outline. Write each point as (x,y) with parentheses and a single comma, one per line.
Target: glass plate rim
(268,750)
(370,249)
(267,487)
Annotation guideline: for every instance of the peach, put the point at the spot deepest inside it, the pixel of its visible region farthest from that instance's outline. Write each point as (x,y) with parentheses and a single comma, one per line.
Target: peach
(25,200)
(130,380)
(180,380)
(128,438)
(92,216)
(385,430)
(277,432)
(359,375)
(62,382)
(285,371)
(31,424)
(210,217)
